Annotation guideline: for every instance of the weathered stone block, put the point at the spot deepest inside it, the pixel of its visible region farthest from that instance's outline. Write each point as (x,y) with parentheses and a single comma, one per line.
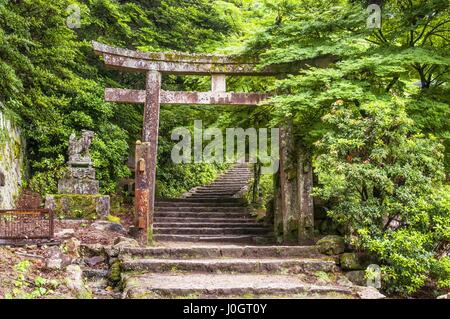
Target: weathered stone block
(350,261)
(80,173)
(78,186)
(331,245)
(78,206)
(358,277)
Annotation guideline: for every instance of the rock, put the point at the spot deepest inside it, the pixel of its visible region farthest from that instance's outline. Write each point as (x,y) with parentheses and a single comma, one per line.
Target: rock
(54,263)
(91,250)
(65,233)
(94,260)
(125,242)
(447,296)
(95,274)
(108,226)
(74,282)
(358,277)
(369,293)
(115,272)
(331,245)
(119,243)
(57,260)
(103,207)
(327,226)
(72,247)
(350,261)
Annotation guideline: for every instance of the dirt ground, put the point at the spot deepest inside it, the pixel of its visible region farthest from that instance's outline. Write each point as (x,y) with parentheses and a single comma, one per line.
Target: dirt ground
(24,272)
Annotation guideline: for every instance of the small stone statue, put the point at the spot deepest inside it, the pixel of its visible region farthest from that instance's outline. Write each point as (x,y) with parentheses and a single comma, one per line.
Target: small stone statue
(79,149)
(80,175)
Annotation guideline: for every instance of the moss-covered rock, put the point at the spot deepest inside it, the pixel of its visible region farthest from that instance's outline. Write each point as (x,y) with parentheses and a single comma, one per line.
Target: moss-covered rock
(115,272)
(331,245)
(350,261)
(77,206)
(358,277)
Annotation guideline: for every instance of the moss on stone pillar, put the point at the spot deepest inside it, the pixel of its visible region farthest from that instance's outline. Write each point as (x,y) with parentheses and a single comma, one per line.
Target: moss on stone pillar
(294,209)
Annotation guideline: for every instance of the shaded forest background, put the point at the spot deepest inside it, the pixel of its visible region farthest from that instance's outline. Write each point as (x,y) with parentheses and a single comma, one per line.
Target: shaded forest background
(375,121)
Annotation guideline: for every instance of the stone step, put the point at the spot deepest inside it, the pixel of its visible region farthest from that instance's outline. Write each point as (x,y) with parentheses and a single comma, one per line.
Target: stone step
(240,177)
(203,214)
(204,220)
(221,251)
(225,201)
(236,181)
(243,239)
(227,188)
(236,176)
(193,209)
(185,224)
(233,189)
(229,183)
(239,265)
(232,179)
(220,188)
(200,203)
(261,230)
(209,196)
(151,286)
(216,191)
(196,196)
(236,170)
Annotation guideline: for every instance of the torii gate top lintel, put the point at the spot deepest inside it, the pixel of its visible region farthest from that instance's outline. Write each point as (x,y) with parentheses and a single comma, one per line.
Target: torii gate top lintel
(217,66)
(177,62)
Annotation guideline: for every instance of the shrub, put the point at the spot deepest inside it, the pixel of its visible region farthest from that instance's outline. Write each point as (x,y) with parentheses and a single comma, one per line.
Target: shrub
(386,183)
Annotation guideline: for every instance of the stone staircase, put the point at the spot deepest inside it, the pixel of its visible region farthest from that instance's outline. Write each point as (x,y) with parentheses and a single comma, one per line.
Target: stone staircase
(233,271)
(209,246)
(211,213)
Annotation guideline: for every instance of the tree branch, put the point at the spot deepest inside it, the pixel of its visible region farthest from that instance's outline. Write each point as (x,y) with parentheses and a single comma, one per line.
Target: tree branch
(392,83)
(432,30)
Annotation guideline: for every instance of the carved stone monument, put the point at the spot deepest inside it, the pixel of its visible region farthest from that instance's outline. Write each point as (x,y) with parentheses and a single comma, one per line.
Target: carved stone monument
(78,191)
(80,175)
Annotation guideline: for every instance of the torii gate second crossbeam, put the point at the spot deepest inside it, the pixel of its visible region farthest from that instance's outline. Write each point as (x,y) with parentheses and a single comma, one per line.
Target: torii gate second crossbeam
(154,65)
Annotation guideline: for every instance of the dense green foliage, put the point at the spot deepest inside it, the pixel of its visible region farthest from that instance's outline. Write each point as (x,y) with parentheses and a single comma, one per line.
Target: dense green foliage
(372,105)
(379,175)
(54,84)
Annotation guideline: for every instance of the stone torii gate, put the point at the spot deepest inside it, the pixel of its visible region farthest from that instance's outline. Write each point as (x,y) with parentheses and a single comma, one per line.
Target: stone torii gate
(154,65)
(295,202)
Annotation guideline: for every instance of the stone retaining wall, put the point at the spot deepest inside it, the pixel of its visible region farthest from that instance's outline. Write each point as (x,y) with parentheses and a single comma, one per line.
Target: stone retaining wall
(12,147)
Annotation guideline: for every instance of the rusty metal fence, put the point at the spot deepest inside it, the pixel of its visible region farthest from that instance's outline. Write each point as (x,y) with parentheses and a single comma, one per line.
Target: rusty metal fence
(18,224)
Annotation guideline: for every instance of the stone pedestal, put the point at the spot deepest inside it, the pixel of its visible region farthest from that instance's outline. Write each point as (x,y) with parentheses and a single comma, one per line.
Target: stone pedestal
(79,190)
(79,206)
(79,180)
